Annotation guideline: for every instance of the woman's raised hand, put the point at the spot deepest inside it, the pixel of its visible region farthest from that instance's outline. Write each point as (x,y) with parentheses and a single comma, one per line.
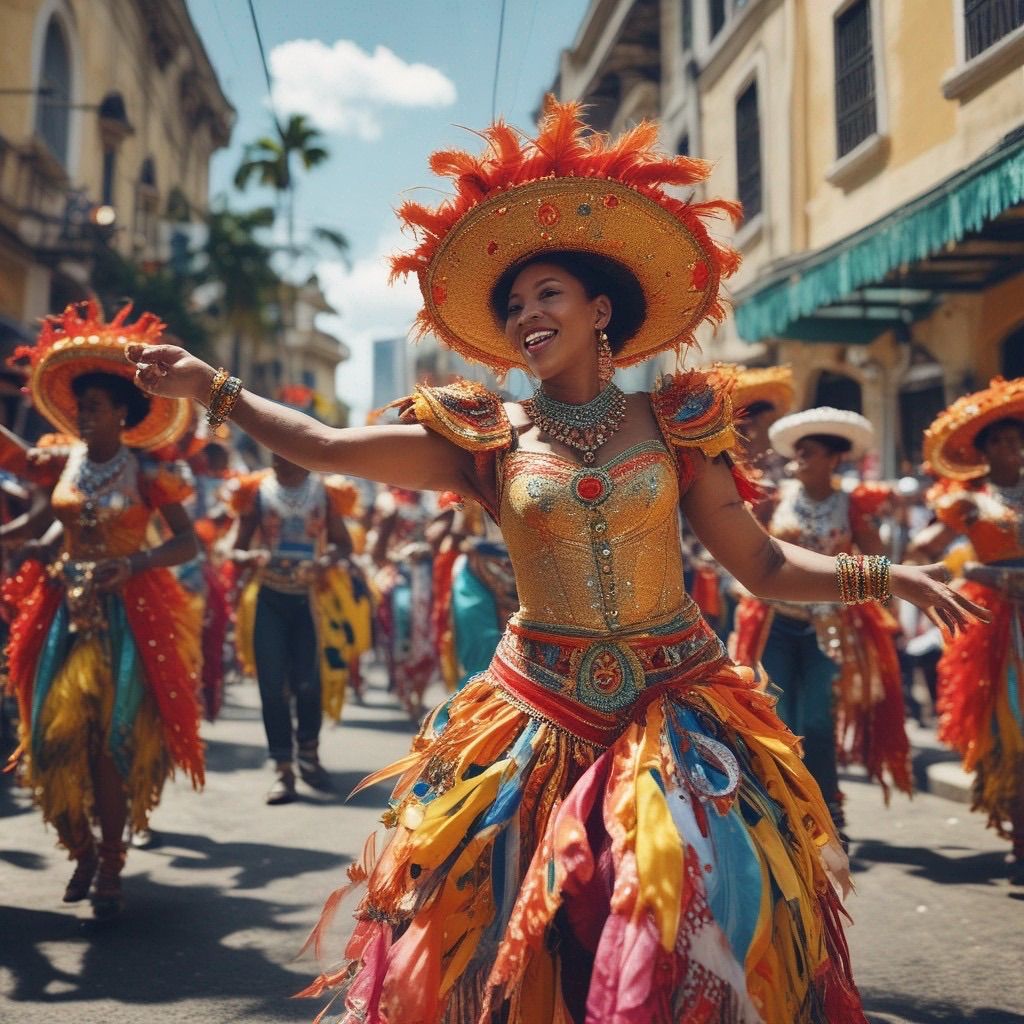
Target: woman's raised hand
(926,587)
(171,372)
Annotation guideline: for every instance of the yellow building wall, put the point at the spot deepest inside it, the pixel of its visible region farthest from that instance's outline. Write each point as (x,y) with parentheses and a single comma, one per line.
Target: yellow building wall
(764,56)
(929,138)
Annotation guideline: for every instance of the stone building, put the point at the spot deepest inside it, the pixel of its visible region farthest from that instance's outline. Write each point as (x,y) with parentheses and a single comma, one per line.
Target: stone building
(878,149)
(109,114)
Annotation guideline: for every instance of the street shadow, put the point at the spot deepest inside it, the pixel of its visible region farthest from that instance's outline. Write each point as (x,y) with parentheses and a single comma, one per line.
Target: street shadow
(930,863)
(14,800)
(256,864)
(228,756)
(25,859)
(171,944)
(896,1007)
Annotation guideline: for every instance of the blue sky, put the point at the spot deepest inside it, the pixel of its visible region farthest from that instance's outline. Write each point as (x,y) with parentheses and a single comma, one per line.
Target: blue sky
(388,81)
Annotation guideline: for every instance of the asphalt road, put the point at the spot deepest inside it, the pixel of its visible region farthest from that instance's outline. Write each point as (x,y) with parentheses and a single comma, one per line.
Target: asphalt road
(216,912)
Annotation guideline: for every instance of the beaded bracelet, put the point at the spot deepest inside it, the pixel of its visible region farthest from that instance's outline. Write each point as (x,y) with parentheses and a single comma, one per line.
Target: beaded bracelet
(861,579)
(222,401)
(220,378)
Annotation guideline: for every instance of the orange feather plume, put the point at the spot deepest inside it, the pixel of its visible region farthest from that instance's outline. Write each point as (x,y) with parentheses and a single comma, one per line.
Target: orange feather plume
(564,147)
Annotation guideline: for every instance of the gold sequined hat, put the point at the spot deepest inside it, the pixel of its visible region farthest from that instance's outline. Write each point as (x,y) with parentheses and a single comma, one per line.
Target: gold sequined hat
(772,384)
(573,190)
(949,449)
(78,342)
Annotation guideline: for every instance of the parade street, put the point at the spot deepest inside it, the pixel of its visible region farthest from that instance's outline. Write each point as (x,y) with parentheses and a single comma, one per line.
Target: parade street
(217,911)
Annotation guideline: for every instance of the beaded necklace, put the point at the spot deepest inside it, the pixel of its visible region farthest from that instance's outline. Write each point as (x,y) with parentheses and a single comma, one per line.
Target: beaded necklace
(94,479)
(585,427)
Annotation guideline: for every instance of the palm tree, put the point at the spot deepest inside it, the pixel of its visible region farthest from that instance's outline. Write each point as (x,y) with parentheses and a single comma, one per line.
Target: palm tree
(240,263)
(269,161)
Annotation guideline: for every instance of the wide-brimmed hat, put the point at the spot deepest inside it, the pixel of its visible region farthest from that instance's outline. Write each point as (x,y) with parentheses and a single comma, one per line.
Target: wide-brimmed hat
(574,190)
(949,448)
(785,433)
(79,342)
(772,384)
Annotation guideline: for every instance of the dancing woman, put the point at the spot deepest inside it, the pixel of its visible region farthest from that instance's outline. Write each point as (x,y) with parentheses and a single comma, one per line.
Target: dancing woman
(975,448)
(610,820)
(104,651)
(836,665)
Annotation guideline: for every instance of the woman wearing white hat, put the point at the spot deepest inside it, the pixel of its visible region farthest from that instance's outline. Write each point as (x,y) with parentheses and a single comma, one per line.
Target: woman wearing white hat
(836,665)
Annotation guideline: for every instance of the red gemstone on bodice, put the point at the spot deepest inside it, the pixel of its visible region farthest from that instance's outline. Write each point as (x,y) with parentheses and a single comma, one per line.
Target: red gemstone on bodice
(589,488)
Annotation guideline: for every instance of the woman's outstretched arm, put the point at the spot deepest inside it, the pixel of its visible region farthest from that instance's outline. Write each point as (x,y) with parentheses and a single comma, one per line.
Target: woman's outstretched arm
(775,570)
(404,456)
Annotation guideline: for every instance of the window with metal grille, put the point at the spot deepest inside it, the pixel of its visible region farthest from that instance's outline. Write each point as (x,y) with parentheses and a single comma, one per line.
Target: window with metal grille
(987,21)
(54,97)
(687,18)
(856,117)
(716,16)
(748,151)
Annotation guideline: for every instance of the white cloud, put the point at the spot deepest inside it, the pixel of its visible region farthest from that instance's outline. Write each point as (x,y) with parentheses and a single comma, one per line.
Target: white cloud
(342,87)
(368,308)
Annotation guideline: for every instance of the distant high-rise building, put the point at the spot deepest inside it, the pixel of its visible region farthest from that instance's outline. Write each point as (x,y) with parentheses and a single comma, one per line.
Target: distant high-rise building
(391,371)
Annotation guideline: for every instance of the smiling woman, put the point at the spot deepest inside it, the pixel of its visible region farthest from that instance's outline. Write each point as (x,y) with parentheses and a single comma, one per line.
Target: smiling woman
(609,821)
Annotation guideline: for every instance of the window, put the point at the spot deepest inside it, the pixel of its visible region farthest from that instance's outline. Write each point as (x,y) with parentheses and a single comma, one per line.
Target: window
(716,16)
(687,19)
(53,101)
(109,176)
(855,77)
(838,391)
(748,151)
(987,21)
(683,146)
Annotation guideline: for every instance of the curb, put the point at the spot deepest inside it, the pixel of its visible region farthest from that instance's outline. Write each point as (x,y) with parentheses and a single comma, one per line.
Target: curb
(937,768)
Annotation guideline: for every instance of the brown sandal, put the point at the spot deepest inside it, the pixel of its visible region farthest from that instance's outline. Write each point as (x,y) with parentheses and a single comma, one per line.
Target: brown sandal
(85,869)
(106,895)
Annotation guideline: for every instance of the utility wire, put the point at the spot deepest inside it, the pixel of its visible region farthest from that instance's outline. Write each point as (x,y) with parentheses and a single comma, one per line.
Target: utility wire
(497,61)
(266,69)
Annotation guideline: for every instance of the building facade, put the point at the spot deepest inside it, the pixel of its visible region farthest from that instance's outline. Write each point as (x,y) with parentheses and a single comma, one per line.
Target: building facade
(878,149)
(109,114)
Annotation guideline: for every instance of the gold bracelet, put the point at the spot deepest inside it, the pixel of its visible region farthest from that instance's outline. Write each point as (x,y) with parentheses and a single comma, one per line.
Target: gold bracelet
(224,402)
(220,378)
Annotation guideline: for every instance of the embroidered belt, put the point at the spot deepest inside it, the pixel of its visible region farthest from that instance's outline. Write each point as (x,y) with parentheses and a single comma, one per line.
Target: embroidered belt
(593,686)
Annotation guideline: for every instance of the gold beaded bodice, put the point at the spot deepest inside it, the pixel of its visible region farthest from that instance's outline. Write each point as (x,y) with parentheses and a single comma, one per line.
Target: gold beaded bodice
(594,549)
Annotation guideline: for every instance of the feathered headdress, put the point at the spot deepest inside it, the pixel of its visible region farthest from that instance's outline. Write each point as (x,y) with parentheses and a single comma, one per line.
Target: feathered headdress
(568,189)
(79,341)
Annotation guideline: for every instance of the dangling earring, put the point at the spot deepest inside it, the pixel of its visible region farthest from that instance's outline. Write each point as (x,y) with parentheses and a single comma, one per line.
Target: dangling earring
(605,366)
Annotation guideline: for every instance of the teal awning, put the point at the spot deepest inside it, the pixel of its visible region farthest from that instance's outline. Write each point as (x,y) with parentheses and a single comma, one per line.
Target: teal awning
(821,296)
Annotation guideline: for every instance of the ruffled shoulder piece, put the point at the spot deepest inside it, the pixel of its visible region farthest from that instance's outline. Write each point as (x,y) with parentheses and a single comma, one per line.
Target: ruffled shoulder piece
(465,412)
(342,495)
(694,410)
(164,483)
(241,492)
(953,501)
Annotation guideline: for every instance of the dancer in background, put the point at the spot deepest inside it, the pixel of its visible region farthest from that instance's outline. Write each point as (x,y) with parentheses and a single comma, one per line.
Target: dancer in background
(404,583)
(836,665)
(286,630)
(610,821)
(104,655)
(975,449)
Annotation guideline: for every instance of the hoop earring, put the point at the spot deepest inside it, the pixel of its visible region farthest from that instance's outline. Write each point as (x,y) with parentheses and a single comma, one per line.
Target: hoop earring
(605,366)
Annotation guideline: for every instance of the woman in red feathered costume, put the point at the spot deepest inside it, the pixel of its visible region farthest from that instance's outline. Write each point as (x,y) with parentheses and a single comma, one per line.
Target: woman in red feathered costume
(104,652)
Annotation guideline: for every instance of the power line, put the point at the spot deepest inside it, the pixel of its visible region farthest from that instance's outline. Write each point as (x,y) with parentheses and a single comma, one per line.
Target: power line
(497,61)
(266,69)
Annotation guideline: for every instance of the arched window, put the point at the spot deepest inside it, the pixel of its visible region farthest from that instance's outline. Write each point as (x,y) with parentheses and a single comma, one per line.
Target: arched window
(1012,357)
(53,102)
(838,391)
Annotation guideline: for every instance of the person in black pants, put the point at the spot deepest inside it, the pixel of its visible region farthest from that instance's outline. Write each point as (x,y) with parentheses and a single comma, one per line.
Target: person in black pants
(303,537)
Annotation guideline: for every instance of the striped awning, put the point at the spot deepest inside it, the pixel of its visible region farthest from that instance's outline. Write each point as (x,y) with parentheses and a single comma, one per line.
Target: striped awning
(964,234)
